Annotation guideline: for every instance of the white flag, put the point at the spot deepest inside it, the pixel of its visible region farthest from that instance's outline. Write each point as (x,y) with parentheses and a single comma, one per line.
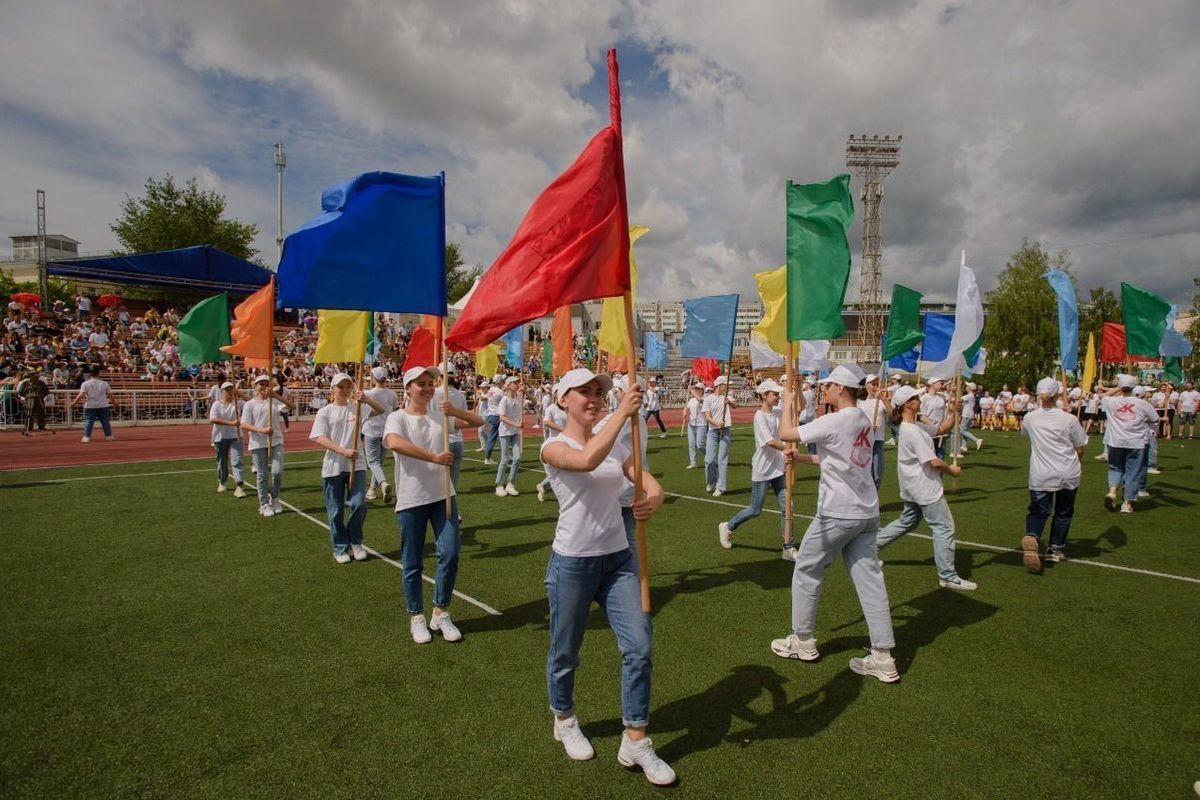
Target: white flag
(968,324)
(814,355)
(761,354)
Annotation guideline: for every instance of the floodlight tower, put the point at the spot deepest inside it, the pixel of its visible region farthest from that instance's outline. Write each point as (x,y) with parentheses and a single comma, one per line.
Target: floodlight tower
(43,273)
(280,163)
(872,159)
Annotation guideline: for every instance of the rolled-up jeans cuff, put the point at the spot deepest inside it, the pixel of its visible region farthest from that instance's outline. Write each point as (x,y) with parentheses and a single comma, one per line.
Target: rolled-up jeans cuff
(564,714)
(643,723)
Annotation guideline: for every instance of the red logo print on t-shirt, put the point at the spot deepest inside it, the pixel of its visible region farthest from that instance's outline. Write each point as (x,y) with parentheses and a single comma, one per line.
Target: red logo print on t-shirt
(1125,411)
(863,448)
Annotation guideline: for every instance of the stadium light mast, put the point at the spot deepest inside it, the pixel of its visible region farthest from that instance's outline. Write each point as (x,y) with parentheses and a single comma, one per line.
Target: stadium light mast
(280,164)
(43,267)
(872,159)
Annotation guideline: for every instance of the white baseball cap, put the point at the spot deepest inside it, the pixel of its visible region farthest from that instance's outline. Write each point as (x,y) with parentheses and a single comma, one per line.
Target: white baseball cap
(970,386)
(720,381)
(903,395)
(579,377)
(768,386)
(227,385)
(698,386)
(848,375)
(338,378)
(511,379)
(263,379)
(932,381)
(497,377)
(1048,387)
(1126,381)
(897,376)
(1139,391)
(871,376)
(412,373)
(379,373)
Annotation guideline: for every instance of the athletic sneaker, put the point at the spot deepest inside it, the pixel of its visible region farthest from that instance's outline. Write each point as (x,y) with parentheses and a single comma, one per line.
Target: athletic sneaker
(789,552)
(1110,501)
(384,490)
(419,630)
(511,490)
(718,493)
(489,463)
(86,439)
(891,442)
(662,436)
(723,534)
(370,495)
(500,492)
(959,583)
(109,438)
(1127,507)
(690,466)
(641,753)
(541,490)
(221,488)
(1154,471)
(573,741)
(359,552)
(277,505)
(266,510)
(879,665)
(709,488)
(239,492)
(1030,556)
(341,558)
(795,647)
(978,444)
(1056,555)
(1102,457)
(445,626)
(1143,494)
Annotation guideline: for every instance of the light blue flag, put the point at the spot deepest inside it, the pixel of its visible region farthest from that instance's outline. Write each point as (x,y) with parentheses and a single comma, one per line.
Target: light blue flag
(656,351)
(514,344)
(1068,319)
(1174,344)
(708,327)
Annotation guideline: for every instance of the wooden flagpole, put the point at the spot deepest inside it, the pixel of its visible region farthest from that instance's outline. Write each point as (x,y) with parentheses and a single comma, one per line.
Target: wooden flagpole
(790,476)
(358,380)
(445,418)
(954,436)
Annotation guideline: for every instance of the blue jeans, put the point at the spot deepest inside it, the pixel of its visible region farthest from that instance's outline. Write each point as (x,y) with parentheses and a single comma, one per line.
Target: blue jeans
(268,485)
(345,508)
(572,584)
(1152,453)
(1039,512)
(941,522)
(1125,468)
(758,496)
(374,453)
(854,539)
(877,463)
(412,522)
(510,451)
(91,415)
(456,449)
(716,457)
(696,435)
(964,432)
(490,432)
(229,457)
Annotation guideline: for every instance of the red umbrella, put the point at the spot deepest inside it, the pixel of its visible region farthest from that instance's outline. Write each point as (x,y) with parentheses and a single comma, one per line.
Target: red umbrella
(109,300)
(27,298)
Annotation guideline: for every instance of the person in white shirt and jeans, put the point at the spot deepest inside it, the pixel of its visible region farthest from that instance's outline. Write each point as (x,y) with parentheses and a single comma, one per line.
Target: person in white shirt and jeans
(654,407)
(1130,421)
(262,417)
(697,428)
(1056,444)
(225,413)
(719,418)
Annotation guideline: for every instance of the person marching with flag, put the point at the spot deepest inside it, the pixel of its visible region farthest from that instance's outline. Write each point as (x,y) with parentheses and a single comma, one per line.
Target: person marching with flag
(878,409)
(225,415)
(719,418)
(1130,421)
(372,430)
(511,416)
(623,449)
(697,427)
(654,407)
(262,417)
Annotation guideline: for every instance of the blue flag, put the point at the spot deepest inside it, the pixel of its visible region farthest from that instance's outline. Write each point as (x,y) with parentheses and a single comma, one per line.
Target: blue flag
(939,329)
(514,347)
(1068,319)
(656,351)
(378,245)
(906,361)
(1174,345)
(708,327)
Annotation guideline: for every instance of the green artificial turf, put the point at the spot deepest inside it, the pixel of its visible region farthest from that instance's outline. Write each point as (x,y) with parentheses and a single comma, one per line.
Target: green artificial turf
(161,640)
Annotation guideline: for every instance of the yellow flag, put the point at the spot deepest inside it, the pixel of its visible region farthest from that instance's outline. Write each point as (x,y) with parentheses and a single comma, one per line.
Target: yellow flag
(1089,365)
(341,336)
(487,361)
(772,289)
(612,319)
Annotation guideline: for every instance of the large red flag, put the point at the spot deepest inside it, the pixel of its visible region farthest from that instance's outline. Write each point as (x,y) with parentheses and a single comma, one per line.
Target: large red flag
(424,346)
(253,328)
(568,249)
(562,334)
(1112,345)
(706,369)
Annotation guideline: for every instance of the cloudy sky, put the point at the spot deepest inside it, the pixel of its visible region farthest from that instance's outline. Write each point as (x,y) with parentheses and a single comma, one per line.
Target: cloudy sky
(1071,123)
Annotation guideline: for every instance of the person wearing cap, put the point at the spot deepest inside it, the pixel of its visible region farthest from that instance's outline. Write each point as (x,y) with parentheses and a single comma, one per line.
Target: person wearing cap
(719,417)
(654,407)
(846,523)
(964,422)
(336,430)
(458,399)
(511,417)
(225,415)
(591,560)
(372,430)
(807,400)
(262,418)
(919,470)
(1056,444)
(492,398)
(933,411)
(879,410)
(1129,422)
(1189,403)
(767,467)
(697,427)
(554,422)
(1150,452)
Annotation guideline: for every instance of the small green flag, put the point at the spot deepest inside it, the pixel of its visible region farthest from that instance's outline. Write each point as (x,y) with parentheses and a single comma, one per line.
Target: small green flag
(1173,370)
(818,257)
(1145,320)
(904,322)
(547,356)
(204,330)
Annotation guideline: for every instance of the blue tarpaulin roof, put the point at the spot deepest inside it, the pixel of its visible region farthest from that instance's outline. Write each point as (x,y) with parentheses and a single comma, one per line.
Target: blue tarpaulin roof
(201,267)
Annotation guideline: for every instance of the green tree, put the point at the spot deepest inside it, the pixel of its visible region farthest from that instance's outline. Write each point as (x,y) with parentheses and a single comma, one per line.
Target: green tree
(169,216)
(459,277)
(1022,318)
(1193,331)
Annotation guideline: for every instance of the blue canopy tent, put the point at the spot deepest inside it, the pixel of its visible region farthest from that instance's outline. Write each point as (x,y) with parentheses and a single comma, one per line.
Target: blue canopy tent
(203,267)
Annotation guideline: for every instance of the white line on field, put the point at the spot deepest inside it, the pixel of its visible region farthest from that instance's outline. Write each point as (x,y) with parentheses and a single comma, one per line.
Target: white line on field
(486,608)
(139,474)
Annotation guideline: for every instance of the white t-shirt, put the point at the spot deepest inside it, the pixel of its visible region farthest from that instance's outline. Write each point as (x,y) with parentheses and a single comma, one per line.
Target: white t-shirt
(1159,400)
(1130,421)
(920,483)
(623,448)
(459,401)
(653,401)
(717,407)
(1188,401)
(845,448)
(985,403)
(223,410)
(1093,404)
(509,407)
(98,339)
(494,395)
(933,407)
(1003,399)
(767,462)
(417,482)
(868,407)
(337,422)
(95,393)
(214,393)
(1020,402)
(589,522)
(372,427)
(556,415)
(258,412)
(695,409)
(1053,436)
(968,401)
(810,406)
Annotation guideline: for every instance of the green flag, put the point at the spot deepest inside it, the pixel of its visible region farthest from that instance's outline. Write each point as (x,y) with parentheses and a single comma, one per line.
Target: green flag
(547,356)
(204,330)
(588,348)
(1145,319)
(1173,369)
(818,257)
(904,322)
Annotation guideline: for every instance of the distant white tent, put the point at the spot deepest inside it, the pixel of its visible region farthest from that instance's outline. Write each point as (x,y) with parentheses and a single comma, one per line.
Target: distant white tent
(457,308)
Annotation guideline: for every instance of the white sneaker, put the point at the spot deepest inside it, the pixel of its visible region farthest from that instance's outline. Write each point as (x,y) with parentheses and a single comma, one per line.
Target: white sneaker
(370,495)
(109,438)
(384,490)
(708,489)
(1056,555)
(573,741)
(891,442)
(489,463)
(277,505)
(445,626)
(1110,501)
(266,510)
(641,753)
(690,466)
(419,630)
(341,558)
(662,436)
(239,492)
(789,552)
(541,490)
(359,552)
(723,534)
(511,490)
(1102,457)
(1127,507)
(86,439)
(978,443)
(221,488)
(1143,494)
(795,647)
(500,492)
(718,493)
(959,583)
(1154,471)
(878,665)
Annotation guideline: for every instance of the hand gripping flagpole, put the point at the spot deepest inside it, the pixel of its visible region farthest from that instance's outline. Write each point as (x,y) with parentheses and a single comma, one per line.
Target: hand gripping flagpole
(639,492)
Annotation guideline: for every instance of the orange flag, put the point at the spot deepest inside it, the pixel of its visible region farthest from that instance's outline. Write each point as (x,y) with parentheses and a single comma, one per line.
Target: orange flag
(617,363)
(253,328)
(562,334)
(434,326)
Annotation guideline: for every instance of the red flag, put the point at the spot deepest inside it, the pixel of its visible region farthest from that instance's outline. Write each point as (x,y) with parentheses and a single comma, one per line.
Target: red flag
(572,246)
(422,350)
(706,369)
(1112,345)
(562,334)
(253,328)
